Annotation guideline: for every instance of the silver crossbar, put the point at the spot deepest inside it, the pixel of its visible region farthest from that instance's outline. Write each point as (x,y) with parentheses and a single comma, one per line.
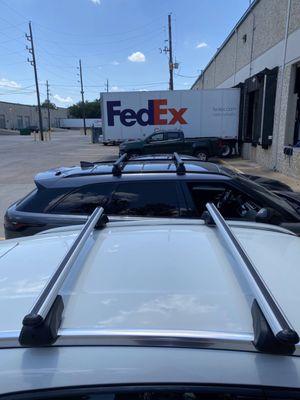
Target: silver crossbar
(48,295)
(274,315)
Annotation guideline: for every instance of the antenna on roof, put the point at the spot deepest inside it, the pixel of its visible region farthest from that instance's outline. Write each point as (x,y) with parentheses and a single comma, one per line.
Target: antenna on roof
(40,326)
(272,331)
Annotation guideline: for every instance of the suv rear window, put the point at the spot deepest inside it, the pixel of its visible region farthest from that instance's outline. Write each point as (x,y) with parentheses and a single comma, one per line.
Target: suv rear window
(149,199)
(85,199)
(41,200)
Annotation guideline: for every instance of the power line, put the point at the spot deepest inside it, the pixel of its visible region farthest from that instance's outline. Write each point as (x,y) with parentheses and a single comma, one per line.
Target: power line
(187,76)
(154,21)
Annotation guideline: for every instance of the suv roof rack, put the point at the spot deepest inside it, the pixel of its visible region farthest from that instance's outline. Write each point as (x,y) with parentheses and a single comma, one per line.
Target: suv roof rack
(117,166)
(272,331)
(40,326)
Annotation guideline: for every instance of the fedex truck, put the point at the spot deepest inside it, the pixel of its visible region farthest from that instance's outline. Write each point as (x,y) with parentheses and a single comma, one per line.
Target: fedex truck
(198,113)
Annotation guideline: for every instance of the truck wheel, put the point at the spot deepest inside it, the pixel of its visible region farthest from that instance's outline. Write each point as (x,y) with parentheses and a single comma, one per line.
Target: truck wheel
(202,155)
(226,151)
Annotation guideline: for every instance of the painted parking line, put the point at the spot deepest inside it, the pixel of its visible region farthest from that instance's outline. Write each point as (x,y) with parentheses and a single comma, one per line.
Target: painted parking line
(232,167)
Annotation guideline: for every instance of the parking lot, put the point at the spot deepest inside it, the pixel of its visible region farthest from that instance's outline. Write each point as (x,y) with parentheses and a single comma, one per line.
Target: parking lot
(21,158)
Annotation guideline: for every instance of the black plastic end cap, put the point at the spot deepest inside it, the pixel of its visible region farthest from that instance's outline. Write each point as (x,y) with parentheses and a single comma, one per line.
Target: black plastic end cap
(116,170)
(288,336)
(180,170)
(37,331)
(264,339)
(208,220)
(102,221)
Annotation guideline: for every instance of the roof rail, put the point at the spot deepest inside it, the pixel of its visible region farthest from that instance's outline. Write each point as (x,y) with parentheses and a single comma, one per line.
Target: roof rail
(116,169)
(272,331)
(180,168)
(40,326)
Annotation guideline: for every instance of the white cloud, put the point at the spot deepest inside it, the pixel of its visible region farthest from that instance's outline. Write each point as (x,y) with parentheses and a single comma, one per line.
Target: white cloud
(9,84)
(137,57)
(116,89)
(115,62)
(95,1)
(64,100)
(201,45)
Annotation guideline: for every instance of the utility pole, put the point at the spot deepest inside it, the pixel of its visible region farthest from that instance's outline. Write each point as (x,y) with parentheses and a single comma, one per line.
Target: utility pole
(48,106)
(107,87)
(82,97)
(169,50)
(171,66)
(33,63)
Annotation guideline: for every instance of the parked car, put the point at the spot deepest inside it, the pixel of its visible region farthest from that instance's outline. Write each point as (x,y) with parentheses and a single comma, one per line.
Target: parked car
(154,185)
(151,309)
(170,141)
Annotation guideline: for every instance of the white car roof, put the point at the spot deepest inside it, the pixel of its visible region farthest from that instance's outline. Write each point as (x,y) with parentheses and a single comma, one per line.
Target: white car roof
(147,275)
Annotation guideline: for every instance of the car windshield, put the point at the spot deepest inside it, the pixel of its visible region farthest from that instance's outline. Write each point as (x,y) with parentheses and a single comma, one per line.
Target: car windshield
(270,197)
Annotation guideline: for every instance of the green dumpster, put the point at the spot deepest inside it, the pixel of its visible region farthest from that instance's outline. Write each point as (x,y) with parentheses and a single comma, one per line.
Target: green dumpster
(25,131)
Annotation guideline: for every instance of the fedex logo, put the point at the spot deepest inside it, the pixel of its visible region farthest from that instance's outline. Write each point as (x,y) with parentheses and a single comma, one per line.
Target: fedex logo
(155,114)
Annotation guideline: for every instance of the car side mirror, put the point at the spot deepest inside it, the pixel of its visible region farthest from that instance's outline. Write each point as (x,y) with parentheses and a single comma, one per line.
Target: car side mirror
(268,216)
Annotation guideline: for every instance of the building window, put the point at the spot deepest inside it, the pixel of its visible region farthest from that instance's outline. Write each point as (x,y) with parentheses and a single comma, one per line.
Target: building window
(20,122)
(2,121)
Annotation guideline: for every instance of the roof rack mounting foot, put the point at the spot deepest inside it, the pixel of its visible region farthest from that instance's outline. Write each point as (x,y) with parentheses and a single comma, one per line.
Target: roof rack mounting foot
(180,168)
(102,221)
(208,219)
(265,340)
(117,169)
(37,331)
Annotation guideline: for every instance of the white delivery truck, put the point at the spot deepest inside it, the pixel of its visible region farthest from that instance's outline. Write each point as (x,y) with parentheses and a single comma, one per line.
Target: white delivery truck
(197,113)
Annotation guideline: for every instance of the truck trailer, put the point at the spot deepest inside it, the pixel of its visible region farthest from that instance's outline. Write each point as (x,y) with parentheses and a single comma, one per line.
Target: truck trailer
(197,113)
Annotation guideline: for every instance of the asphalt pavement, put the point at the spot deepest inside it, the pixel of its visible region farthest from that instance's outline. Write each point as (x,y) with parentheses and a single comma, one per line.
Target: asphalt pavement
(21,158)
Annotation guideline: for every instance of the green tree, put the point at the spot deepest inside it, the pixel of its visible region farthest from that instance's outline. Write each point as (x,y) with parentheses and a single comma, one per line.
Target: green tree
(92,109)
(51,105)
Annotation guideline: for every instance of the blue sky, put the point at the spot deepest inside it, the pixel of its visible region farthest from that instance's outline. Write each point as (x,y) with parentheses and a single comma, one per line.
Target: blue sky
(115,39)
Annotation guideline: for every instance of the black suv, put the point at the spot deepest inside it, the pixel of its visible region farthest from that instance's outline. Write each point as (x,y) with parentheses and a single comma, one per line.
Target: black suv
(159,185)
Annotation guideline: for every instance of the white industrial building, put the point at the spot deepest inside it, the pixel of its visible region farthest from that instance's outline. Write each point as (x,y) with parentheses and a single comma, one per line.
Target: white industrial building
(261,56)
(18,116)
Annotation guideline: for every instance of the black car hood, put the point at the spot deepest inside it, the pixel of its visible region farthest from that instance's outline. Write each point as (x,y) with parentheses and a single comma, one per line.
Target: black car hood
(271,184)
(292,196)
